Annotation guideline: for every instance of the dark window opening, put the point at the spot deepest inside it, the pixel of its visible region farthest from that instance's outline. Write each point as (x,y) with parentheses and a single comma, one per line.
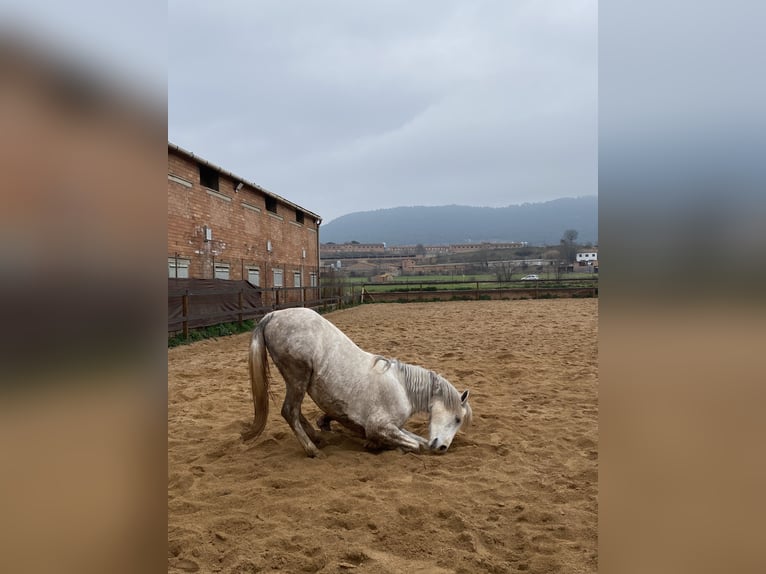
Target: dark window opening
(271,204)
(299,217)
(208,177)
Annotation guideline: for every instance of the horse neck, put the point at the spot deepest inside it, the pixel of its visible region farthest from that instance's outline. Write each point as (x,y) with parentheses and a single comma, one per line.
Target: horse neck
(420,384)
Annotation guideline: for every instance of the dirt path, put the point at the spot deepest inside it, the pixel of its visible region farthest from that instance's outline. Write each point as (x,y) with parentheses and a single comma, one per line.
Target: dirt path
(516,492)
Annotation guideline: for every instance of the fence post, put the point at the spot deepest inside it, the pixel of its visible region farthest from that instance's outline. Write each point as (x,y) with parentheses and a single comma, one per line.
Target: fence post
(240,307)
(185,309)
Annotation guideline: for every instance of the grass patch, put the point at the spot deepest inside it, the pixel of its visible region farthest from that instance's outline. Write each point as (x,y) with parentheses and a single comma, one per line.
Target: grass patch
(461,298)
(221,330)
(548,296)
(587,295)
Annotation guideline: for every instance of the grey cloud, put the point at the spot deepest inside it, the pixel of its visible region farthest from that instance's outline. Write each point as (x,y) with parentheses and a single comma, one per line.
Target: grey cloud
(342,107)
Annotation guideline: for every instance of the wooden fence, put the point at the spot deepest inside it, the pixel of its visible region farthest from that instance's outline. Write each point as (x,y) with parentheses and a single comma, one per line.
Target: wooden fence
(411,291)
(198,306)
(205,303)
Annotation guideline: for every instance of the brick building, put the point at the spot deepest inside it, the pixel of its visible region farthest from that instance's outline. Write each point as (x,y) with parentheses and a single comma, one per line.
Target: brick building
(221,226)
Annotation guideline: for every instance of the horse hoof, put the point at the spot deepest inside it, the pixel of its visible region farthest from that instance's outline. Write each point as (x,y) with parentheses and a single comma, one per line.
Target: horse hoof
(323,422)
(375,447)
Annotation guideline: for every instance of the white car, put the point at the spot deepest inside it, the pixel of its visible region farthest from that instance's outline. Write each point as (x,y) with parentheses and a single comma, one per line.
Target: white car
(530,278)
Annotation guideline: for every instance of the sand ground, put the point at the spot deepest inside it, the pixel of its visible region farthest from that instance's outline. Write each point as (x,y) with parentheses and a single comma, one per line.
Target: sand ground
(517,492)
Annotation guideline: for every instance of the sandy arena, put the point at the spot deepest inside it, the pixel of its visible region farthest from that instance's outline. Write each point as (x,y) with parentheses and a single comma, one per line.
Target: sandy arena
(516,492)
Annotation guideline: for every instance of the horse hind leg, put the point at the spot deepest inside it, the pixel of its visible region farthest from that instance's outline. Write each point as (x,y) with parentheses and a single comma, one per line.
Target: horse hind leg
(291,411)
(309,429)
(323,422)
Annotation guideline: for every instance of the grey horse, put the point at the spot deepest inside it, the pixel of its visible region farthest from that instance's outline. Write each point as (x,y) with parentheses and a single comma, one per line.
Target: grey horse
(367,393)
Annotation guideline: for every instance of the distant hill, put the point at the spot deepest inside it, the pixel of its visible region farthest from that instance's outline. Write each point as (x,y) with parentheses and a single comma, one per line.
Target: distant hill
(536,223)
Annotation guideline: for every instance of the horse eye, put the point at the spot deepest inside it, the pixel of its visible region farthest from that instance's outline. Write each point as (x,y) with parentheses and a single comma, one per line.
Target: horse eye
(457,420)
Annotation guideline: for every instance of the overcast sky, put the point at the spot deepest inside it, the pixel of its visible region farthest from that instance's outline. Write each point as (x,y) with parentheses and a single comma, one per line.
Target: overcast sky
(343,106)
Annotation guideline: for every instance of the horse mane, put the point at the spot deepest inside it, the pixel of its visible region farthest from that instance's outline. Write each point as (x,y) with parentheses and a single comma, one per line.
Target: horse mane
(421,384)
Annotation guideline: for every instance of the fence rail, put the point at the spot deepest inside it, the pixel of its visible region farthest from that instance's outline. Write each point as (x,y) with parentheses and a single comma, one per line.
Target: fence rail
(192,308)
(445,290)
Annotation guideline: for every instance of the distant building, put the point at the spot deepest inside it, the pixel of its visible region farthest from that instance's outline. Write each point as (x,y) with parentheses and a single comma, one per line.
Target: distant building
(350,249)
(588,259)
(464,247)
(583,257)
(329,249)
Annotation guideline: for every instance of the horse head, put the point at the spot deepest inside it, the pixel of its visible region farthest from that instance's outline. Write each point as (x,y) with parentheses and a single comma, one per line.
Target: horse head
(449,411)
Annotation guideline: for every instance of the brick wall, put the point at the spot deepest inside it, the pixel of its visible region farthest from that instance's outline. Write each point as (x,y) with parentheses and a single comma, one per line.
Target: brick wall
(240,225)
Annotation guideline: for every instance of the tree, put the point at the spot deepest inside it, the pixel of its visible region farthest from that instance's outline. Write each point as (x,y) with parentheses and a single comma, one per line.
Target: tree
(569,245)
(505,271)
(553,256)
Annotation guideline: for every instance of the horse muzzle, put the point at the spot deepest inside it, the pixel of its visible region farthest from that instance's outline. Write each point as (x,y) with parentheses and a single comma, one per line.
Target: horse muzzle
(438,448)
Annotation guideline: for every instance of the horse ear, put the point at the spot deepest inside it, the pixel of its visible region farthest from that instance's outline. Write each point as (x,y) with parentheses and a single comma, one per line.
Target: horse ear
(464,396)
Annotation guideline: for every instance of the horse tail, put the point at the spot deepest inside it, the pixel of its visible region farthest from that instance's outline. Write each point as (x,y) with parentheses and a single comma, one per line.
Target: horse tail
(259,378)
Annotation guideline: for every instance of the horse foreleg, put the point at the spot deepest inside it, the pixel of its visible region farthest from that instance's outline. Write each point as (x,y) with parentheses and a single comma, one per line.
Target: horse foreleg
(393,436)
(291,411)
(323,422)
(421,441)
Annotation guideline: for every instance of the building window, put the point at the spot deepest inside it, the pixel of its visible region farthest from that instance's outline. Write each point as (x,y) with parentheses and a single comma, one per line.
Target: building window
(299,217)
(178,268)
(221,270)
(208,177)
(254,276)
(278,278)
(297,279)
(271,204)
(313,279)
